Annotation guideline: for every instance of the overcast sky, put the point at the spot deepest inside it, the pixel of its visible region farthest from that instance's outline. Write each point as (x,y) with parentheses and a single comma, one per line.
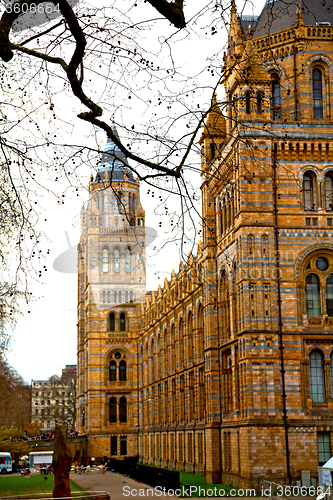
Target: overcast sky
(44,340)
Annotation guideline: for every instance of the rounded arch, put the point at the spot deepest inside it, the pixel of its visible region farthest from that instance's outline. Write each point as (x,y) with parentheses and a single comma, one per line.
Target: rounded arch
(317,59)
(306,255)
(309,168)
(123,350)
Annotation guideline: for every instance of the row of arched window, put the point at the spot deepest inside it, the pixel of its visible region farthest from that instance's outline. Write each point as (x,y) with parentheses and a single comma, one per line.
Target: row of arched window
(319,382)
(117,371)
(114,198)
(116,323)
(310,195)
(117,410)
(117,296)
(317,96)
(109,260)
(313,296)
(170,349)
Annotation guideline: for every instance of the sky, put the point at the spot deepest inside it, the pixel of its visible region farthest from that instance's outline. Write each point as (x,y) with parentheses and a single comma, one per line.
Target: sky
(44,340)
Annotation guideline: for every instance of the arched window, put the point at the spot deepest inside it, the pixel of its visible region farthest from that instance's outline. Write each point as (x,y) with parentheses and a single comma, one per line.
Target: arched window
(112,320)
(212,148)
(109,296)
(122,371)
(113,410)
(112,371)
(119,196)
(331,373)
(247,102)
(200,332)
(259,101)
(119,297)
(250,245)
(317,93)
(181,342)
(103,296)
(128,260)
(264,246)
(317,377)
(122,322)
(105,260)
(116,256)
(276,97)
(308,192)
(122,410)
(328,187)
(190,337)
(131,296)
(312,296)
(115,297)
(329,295)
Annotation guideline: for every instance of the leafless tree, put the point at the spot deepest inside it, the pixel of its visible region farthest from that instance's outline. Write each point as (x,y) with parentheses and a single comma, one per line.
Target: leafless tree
(63,399)
(15,401)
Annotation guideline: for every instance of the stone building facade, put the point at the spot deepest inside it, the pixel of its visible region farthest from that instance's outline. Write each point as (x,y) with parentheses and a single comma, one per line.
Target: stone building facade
(233,358)
(54,399)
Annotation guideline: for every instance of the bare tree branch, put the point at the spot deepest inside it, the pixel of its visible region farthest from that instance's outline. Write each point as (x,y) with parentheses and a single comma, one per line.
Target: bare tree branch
(173,11)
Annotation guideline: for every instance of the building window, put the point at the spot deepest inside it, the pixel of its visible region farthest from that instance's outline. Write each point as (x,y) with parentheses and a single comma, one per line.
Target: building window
(329,295)
(116,256)
(312,296)
(247,102)
(112,371)
(324,447)
(123,412)
(105,258)
(113,410)
(308,192)
(212,148)
(128,260)
(123,445)
(307,221)
(122,322)
(328,188)
(259,101)
(317,93)
(114,450)
(112,320)
(317,378)
(331,373)
(329,222)
(122,371)
(276,97)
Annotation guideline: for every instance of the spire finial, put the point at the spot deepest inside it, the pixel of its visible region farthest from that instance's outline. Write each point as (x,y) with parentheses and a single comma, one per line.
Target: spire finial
(300,21)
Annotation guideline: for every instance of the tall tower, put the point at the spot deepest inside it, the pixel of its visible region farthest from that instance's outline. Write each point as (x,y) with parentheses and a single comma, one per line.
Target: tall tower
(111,283)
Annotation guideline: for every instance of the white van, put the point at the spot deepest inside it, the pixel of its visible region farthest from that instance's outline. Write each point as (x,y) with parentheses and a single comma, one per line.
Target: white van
(5,462)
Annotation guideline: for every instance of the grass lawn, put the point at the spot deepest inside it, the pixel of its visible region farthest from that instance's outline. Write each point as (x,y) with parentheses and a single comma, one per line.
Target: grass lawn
(188,479)
(21,485)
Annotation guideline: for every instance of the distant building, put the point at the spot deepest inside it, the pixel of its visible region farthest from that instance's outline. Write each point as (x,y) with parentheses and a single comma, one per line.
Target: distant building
(68,373)
(54,400)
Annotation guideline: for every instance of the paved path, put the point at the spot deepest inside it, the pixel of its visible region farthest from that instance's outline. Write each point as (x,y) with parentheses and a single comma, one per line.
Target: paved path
(121,487)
